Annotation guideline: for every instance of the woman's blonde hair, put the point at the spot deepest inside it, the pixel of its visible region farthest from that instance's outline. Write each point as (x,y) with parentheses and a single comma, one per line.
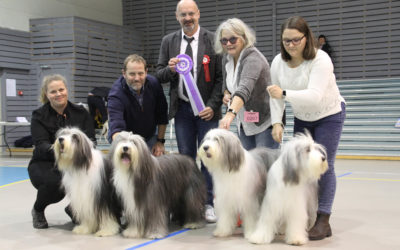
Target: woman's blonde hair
(45,83)
(237,27)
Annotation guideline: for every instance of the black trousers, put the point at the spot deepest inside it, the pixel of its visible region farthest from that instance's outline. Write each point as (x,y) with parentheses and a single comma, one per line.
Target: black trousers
(46,178)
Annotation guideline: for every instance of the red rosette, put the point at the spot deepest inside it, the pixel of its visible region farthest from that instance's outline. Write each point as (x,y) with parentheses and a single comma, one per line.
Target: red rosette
(206,61)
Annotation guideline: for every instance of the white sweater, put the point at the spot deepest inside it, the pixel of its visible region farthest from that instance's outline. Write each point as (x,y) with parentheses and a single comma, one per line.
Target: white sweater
(310,88)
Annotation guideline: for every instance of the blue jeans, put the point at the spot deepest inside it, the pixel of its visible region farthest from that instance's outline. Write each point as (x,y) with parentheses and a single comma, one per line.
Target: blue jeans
(190,131)
(326,131)
(263,139)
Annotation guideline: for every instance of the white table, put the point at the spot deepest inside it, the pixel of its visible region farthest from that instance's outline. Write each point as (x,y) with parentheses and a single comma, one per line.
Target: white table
(15,125)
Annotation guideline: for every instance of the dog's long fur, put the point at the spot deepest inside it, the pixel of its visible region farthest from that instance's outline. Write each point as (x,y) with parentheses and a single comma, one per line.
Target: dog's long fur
(104,131)
(87,182)
(290,202)
(151,188)
(239,178)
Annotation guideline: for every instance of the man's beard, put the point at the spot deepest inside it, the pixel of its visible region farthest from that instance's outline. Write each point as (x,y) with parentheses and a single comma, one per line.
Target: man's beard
(188,28)
(136,86)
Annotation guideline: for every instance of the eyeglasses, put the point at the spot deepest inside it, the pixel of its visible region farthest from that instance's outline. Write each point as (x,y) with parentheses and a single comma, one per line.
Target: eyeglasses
(232,40)
(190,14)
(294,41)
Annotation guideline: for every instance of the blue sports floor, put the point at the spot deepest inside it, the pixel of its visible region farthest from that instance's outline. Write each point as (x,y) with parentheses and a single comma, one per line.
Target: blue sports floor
(13,170)
(366,216)
(10,175)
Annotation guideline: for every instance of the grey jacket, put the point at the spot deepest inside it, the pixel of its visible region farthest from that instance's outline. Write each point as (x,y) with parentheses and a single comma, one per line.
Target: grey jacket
(252,81)
(209,91)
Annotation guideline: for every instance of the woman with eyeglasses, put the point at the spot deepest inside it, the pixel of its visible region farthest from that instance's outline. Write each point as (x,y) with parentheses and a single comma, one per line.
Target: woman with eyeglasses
(55,113)
(245,78)
(303,76)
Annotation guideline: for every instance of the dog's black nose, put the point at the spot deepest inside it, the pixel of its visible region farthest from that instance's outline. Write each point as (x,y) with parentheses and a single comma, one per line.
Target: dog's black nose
(125,148)
(60,140)
(206,147)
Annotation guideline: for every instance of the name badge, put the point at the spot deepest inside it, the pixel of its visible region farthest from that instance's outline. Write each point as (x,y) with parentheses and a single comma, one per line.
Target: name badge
(251,116)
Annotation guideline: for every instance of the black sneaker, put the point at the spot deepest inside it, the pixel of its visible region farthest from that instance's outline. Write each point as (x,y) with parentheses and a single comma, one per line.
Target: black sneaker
(69,212)
(39,220)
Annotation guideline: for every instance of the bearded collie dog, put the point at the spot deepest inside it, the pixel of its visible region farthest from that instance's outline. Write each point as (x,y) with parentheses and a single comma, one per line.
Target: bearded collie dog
(152,189)
(290,203)
(86,177)
(239,178)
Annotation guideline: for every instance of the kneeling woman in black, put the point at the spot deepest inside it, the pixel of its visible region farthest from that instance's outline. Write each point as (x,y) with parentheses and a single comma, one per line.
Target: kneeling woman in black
(55,113)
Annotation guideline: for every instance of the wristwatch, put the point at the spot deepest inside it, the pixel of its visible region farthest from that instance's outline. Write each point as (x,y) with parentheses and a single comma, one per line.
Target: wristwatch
(283,94)
(232,111)
(161,140)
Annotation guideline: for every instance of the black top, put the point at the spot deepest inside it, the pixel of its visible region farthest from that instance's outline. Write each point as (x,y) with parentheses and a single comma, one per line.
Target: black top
(46,122)
(100,91)
(328,49)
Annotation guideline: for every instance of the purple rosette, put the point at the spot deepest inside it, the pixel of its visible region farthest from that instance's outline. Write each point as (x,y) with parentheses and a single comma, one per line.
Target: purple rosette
(183,67)
(185,64)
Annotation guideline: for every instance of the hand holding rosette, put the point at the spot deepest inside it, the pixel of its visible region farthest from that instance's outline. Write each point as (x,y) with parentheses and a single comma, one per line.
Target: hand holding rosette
(183,67)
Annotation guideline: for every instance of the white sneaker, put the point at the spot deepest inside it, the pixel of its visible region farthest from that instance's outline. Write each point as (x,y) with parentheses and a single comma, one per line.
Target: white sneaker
(210,214)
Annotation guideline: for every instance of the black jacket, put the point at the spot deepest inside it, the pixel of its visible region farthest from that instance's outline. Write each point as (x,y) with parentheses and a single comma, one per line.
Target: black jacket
(46,122)
(126,114)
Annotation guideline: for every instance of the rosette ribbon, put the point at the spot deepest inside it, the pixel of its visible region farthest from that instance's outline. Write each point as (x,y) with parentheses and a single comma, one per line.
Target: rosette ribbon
(206,62)
(183,67)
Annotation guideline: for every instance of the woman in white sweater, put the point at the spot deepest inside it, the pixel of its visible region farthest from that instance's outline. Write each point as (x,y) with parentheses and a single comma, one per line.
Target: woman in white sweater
(303,76)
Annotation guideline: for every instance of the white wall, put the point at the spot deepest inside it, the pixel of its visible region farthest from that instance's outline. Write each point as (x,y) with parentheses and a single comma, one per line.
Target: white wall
(15,14)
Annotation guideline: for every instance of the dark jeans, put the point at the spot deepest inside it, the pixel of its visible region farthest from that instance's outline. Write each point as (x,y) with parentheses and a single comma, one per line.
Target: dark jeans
(46,178)
(190,131)
(326,131)
(262,139)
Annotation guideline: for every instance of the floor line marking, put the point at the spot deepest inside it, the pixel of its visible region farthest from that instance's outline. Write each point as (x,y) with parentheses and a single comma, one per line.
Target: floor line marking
(375,173)
(12,183)
(11,166)
(348,173)
(156,240)
(370,179)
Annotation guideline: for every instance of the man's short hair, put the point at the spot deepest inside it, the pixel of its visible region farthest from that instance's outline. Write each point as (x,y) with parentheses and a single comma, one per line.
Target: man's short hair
(134,58)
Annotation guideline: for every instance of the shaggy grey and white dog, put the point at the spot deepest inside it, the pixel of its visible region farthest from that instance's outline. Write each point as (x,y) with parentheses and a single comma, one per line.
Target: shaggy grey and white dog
(86,177)
(290,202)
(239,178)
(151,189)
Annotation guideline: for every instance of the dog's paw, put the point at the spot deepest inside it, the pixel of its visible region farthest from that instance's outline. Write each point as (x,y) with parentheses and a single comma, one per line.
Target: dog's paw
(222,232)
(106,232)
(260,238)
(156,235)
(131,232)
(297,240)
(81,229)
(247,233)
(194,225)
